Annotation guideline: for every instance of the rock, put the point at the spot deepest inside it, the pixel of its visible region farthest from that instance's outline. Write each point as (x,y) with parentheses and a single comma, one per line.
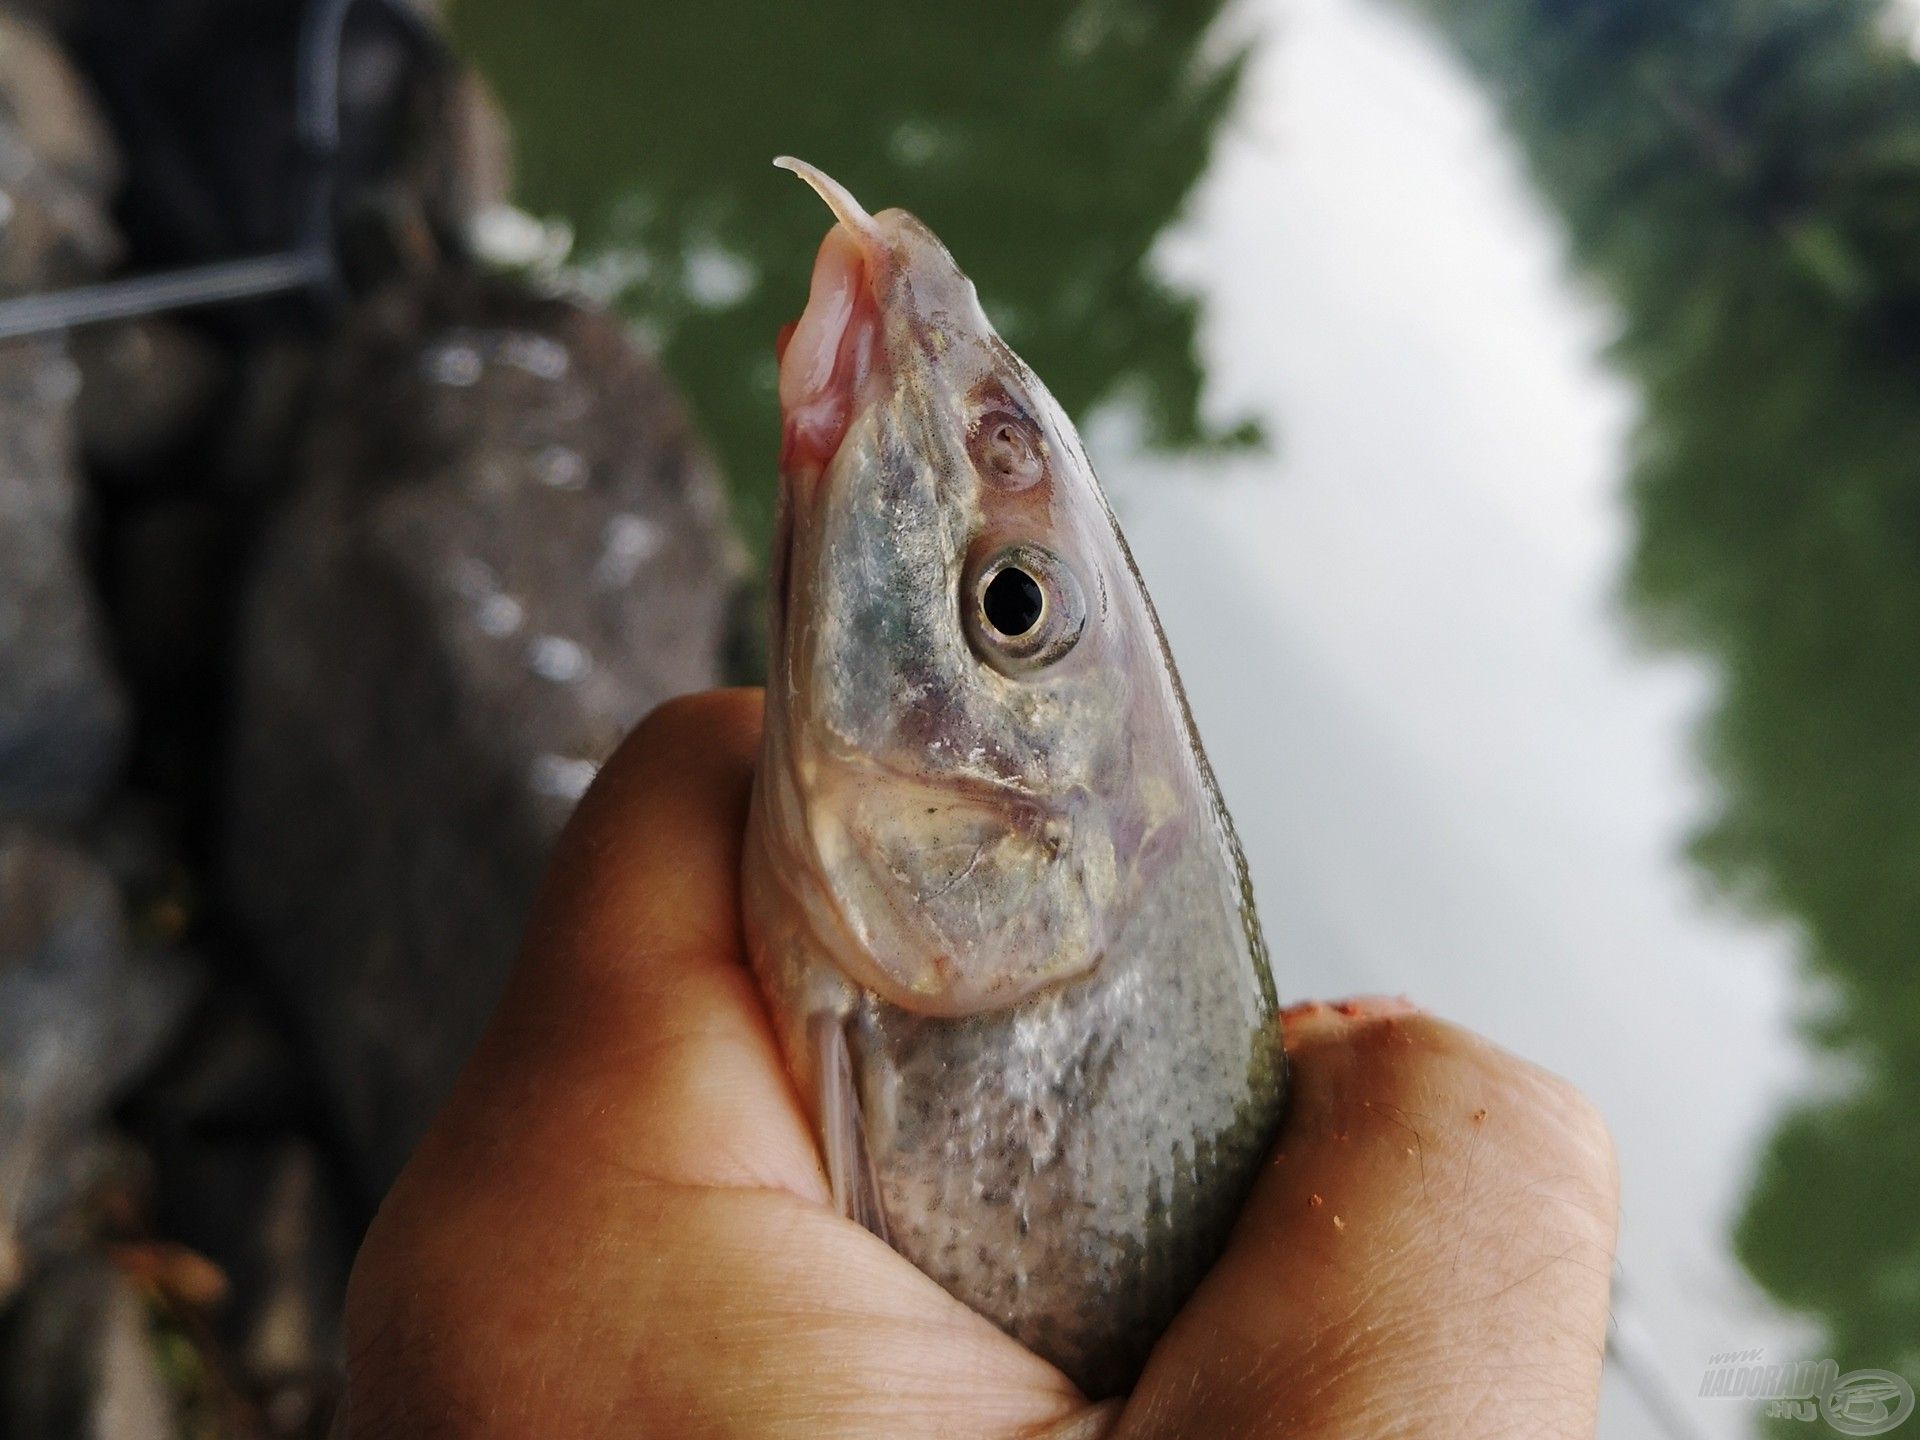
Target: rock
(137,839)
(242,1181)
(52,16)
(232,1075)
(63,720)
(54,114)
(78,1360)
(415,151)
(81,1012)
(58,166)
(510,546)
(475,172)
(168,568)
(254,459)
(145,387)
(454,167)
(97,1183)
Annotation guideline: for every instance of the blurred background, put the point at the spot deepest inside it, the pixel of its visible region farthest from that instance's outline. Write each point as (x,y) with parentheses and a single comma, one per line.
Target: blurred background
(1514,407)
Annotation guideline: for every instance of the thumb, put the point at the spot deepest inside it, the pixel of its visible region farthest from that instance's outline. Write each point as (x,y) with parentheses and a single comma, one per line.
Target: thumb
(1427,1253)
(618,1225)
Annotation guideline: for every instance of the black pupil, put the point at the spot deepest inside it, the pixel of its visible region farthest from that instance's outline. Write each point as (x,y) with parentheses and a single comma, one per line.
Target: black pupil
(1013,601)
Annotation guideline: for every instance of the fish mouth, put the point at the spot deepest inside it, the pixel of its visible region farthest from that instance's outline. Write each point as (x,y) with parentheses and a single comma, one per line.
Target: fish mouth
(827,355)
(826,359)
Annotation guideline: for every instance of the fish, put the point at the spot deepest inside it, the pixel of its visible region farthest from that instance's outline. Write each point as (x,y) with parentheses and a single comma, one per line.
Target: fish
(990,891)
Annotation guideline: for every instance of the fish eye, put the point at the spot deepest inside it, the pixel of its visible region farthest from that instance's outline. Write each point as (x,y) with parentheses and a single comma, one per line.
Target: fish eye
(1013,602)
(1025,609)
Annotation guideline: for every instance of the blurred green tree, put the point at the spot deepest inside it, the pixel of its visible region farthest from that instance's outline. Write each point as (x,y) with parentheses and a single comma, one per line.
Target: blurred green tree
(1047,141)
(1743,177)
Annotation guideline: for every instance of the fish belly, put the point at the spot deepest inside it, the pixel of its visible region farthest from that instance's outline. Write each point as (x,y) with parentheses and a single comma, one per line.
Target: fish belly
(1069,1168)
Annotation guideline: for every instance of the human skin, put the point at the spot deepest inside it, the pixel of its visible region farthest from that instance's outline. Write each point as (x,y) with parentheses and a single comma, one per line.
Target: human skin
(619,1225)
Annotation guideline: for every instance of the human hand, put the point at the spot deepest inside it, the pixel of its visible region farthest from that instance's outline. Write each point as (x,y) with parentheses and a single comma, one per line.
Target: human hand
(619,1225)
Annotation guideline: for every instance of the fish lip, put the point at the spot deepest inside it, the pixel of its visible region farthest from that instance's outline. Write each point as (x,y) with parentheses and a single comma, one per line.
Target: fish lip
(833,358)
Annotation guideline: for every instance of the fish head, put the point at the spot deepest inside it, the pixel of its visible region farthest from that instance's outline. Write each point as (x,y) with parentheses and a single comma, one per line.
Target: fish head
(975,748)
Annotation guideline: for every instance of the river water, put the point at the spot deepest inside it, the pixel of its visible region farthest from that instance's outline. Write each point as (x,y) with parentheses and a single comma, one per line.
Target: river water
(1455,774)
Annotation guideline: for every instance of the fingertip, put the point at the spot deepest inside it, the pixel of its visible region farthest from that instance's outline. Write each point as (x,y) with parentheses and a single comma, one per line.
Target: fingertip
(699,748)
(719,727)
(653,848)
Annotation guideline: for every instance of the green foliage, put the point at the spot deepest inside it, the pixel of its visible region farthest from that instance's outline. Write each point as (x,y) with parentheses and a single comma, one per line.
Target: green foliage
(1743,176)
(1048,143)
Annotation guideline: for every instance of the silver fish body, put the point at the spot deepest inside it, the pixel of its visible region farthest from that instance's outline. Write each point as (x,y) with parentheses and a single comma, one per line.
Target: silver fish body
(990,889)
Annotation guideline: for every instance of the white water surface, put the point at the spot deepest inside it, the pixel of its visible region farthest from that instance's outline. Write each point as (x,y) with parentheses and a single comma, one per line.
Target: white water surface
(1455,774)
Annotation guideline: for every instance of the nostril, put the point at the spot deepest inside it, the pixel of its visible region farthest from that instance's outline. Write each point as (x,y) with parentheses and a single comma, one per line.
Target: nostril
(1007,452)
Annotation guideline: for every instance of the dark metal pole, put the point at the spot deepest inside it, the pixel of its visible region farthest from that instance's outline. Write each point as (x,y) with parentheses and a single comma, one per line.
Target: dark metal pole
(215,284)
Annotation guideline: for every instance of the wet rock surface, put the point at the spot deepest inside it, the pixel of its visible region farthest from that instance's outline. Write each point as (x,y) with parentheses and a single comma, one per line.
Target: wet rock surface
(509,547)
(82,1011)
(62,715)
(316,617)
(146,386)
(59,165)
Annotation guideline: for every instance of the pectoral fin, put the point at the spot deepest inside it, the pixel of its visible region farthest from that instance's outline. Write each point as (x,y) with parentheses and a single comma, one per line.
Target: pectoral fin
(843,1128)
